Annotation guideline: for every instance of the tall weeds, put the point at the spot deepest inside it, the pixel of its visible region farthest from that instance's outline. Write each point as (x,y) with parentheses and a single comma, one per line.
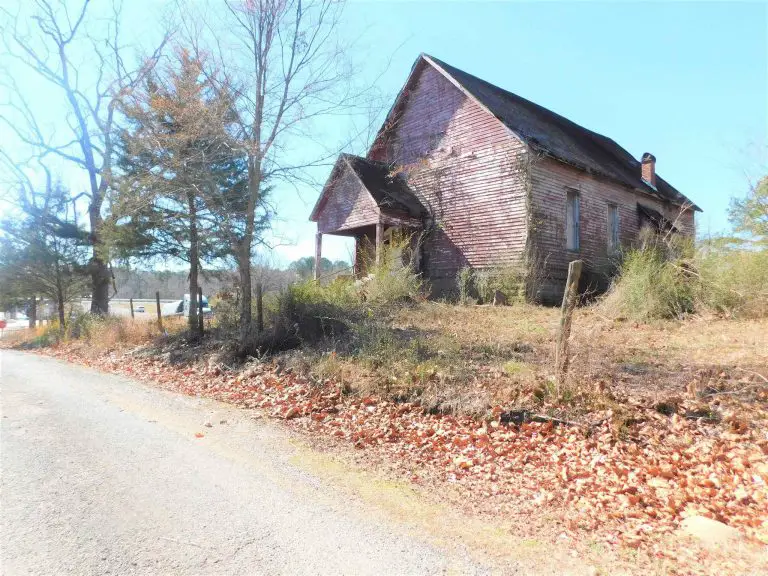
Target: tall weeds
(99,333)
(310,311)
(733,280)
(510,280)
(670,277)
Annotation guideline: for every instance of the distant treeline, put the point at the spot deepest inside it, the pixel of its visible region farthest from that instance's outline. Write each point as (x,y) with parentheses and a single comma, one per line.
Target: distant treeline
(142,284)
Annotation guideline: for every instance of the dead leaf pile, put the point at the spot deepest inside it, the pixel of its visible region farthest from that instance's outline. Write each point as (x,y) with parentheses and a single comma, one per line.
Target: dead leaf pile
(628,492)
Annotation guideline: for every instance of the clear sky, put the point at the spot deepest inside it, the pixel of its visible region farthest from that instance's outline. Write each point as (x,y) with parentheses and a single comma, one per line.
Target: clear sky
(686,81)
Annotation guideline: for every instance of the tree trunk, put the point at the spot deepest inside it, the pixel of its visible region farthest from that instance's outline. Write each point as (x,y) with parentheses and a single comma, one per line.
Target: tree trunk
(98,264)
(60,305)
(33,312)
(99,286)
(244,245)
(59,291)
(194,266)
(244,270)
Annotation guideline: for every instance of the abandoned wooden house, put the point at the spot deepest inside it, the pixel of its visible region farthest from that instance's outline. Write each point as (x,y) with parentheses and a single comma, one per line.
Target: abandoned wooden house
(484,178)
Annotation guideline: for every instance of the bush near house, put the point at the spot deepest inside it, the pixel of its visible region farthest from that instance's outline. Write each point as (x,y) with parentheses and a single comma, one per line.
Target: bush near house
(670,278)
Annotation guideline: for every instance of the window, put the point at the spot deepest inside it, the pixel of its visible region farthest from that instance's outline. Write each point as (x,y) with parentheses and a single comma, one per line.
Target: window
(572,220)
(613,228)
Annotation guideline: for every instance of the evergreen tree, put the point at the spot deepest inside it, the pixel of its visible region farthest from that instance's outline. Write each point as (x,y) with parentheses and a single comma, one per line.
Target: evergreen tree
(180,178)
(43,253)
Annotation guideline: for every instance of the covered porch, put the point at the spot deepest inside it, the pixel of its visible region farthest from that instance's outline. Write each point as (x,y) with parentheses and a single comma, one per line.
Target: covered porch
(362,199)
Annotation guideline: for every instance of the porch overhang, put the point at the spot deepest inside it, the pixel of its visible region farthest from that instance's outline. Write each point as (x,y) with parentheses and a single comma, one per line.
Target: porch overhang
(361,193)
(362,198)
(385,219)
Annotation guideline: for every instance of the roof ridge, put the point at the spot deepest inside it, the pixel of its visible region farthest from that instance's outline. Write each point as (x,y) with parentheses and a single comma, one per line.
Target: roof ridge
(515,95)
(556,135)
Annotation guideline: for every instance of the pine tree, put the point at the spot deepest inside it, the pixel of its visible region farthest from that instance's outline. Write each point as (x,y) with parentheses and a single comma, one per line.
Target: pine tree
(43,253)
(181,179)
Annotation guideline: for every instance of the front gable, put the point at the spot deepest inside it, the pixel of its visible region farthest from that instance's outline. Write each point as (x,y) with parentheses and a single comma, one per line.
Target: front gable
(434,117)
(465,167)
(345,203)
(361,193)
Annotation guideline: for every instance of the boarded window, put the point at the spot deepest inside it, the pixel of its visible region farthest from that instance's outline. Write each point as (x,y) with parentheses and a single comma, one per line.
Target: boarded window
(613,228)
(572,220)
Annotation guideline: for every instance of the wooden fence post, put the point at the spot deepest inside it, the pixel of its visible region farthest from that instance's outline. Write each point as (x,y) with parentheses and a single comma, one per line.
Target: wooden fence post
(159,315)
(132,316)
(259,308)
(570,297)
(379,242)
(200,322)
(318,254)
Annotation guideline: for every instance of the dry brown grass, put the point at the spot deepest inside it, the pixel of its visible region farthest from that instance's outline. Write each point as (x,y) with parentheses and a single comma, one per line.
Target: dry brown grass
(468,359)
(483,325)
(660,355)
(595,340)
(509,353)
(133,332)
(96,336)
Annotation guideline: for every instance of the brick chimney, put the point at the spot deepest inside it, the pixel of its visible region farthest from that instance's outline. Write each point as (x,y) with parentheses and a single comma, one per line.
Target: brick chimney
(649,168)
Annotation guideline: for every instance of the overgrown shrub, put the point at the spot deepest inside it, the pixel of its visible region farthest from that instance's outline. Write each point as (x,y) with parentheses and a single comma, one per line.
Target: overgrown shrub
(47,335)
(508,279)
(311,312)
(81,325)
(392,279)
(226,311)
(465,280)
(669,277)
(650,285)
(732,280)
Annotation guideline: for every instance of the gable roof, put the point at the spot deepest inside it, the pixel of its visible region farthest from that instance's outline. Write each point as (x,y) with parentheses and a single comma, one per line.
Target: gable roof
(553,135)
(390,192)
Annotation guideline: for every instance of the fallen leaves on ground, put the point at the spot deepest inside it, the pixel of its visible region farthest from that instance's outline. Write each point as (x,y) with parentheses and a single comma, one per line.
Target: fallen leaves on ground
(623,492)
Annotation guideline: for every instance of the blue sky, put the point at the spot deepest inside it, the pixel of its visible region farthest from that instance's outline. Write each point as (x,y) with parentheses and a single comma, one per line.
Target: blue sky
(687,81)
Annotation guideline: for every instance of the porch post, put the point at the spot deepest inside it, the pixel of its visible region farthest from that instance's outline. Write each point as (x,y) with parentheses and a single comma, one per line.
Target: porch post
(379,241)
(318,253)
(356,259)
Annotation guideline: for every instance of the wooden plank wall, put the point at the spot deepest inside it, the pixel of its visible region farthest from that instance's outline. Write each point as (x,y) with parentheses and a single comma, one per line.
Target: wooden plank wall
(348,205)
(467,170)
(550,181)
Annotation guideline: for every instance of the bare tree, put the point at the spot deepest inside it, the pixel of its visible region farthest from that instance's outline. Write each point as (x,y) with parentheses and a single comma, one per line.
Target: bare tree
(51,44)
(285,68)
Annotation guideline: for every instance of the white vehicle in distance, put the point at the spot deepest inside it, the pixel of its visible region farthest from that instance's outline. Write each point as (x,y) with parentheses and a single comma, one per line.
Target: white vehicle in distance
(181,307)
(140,309)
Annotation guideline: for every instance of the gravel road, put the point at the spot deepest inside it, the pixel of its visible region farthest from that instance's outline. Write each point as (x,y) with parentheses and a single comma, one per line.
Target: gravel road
(104,475)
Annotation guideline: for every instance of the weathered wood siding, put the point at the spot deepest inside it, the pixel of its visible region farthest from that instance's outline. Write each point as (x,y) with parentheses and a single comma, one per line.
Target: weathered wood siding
(348,205)
(550,181)
(468,171)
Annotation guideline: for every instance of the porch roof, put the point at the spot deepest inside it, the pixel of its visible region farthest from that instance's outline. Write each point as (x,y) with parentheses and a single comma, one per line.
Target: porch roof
(361,192)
